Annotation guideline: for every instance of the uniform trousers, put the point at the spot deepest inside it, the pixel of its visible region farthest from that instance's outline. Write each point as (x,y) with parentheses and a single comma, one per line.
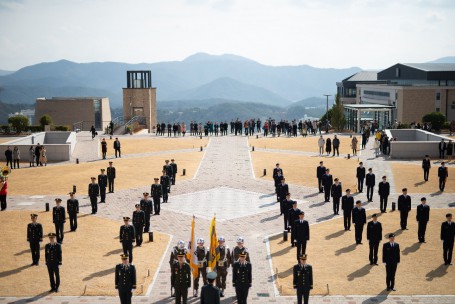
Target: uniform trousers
(391,269)
(221,277)
(128,249)
(370,190)
(59,232)
(360,184)
(94,203)
(181,294)
(54,276)
(374,246)
(303,294)
(447,251)
(426,172)
(301,248)
(125,296)
(336,205)
(73,221)
(35,247)
(383,203)
(347,219)
(156,204)
(404,219)
(358,233)
(110,183)
(147,222)
(421,231)
(202,271)
(139,230)
(241,292)
(103,194)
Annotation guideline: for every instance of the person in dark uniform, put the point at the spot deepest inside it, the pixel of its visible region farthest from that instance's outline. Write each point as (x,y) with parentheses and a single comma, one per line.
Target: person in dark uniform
(360,177)
(374,237)
(287,205)
(34,237)
(294,213)
(169,172)
(181,279)
(447,238)
(442,174)
(301,234)
(336,192)
(370,182)
(320,171)
(223,259)
(384,191)
(111,177)
(127,238)
(347,204)
(93,192)
(277,176)
(281,192)
(117,147)
(391,259)
(125,280)
(147,207)
(426,166)
(174,170)
(303,279)
(53,256)
(327,182)
(104,148)
(202,255)
(209,293)
(72,206)
(422,216)
(442,147)
(156,192)
(242,278)
(404,206)
(165,186)
(102,184)
(176,250)
(138,223)
(359,219)
(240,248)
(59,219)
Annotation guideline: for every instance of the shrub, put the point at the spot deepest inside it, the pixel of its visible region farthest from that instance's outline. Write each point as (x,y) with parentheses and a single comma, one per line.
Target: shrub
(437,120)
(45,120)
(18,122)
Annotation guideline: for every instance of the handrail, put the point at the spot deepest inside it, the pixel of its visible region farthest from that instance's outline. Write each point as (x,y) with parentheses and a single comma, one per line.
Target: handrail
(139,119)
(77,126)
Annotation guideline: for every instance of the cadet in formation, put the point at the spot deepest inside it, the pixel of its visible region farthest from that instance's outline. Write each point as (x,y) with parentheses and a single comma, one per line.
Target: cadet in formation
(165,186)
(209,293)
(447,238)
(426,166)
(242,278)
(174,170)
(181,279)
(347,204)
(370,182)
(359,219)
(202,255)
(327,182)
(404,206)
(277,176)
(374,237)
(127,238)
(178,249)
(146,206)
(336,192)
(102,184)
(282,191)
(301,234)
(303,279)
(287,205)
(93,192)
(156,191)
(72,206)
(240,248)
(35,237)
(53,256)
(111,177)
(360,177)
(223,258)
(138,223)
(391,259)
(59,219)
(320,171)
(125,280)
(422,217)
(384,191)
(294,213)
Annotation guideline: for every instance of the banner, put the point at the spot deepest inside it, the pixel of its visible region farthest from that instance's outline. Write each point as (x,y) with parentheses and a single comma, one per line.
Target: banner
(213,244)
(191,251)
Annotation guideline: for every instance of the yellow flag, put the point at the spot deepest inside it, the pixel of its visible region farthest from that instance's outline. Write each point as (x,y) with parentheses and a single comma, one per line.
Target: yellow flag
(213,245)
(192,256)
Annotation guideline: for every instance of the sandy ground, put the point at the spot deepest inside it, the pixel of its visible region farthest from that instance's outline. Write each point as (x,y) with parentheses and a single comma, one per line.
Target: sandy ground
(134,145)
(411,177)
(89,257)
(308,144)
(131,173)
(344,267)
(301,170)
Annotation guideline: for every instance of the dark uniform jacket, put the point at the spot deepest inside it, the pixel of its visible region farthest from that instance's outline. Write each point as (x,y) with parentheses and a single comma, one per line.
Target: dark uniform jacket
(327,180)
(442,172)
(360,172)
(116,144)
(423,213)
(301,230)
(447,232)
(370,179)
(282,190)
(110,172)
(202,255)
(347,203)
(174,167)
(303,276)
(127,233)
(146,206)
(210,294)
(72,206)
(391,255)
(34,232)
(138,218)
(58,215)
(93,190)
(426,163)
(181,275)
(275,172)
(236,253)
(169,170)
(164,181)
(404,203)
(53,254)
(336,191)
(320,171)
(287,205)
(156,190)
(384,189)
(175,252)
(102,180)
(359,216)
(293,215)
(241,274)
(374,232)
(125,277)
(224,259)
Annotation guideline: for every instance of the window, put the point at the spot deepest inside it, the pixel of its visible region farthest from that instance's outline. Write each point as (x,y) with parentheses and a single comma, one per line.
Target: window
(97,110)
(377,93)
(438,96)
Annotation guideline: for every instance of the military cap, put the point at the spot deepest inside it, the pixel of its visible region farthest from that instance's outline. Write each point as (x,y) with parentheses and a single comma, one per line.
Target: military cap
(391,235)
(301,212)
(145,194)
(102,170)
(374,215)
(51,235)
(125,218)
(211,275)
(303,257)
(92,178)
(242,254)
(71,193)
(137,205)
(124,256)
(166,161)
(33,215)
(58,199)
(110,162)
(423,199)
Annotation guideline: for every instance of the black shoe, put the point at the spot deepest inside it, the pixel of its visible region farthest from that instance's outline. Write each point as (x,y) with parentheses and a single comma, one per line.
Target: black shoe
(52,290)
(33,264)
(371,263)
(56,290)
(388,289)
(393,289)
(376,264)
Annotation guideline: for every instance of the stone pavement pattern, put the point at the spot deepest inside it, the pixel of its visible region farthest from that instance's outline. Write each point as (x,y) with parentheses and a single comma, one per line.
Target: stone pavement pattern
(225,168)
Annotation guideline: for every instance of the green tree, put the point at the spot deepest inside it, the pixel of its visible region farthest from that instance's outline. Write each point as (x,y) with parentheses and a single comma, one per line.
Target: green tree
(337,119)
(46,119)
(437,120)
(18,122)
(324,117)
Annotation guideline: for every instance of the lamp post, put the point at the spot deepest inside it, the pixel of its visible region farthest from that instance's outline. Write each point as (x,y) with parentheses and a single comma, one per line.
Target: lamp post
(327,114)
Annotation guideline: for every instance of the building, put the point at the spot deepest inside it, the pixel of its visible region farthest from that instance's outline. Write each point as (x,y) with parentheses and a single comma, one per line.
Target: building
(347,88)
(29,113)
(77,112)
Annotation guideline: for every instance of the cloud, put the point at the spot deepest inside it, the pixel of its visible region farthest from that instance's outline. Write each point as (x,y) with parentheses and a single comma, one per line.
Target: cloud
(10,5)
(434,18)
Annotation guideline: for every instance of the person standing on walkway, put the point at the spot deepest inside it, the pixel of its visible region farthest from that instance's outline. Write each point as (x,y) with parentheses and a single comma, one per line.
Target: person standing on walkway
(31,156)
(17,157)
(174,170)
(336,146)
(37,154)
(35,237)
(360,176)
(287,205)
(58,218)
(146,206)
(347,204)
(93,192)
(102,184)
(240,248)
(303,279)
(336,192)
(156,191)
(43,156)
(72,207)
(374,237)
(209,293)
(359,219)
(3,192)
(447,237)
(138,223)
(449,151)
(117,148)
(320,171)
(442,147)
(223,259)
(327,181)
(384,191)
(169,171)
(294,213)
(242,278)
(277,177)
(426,166)
(166,186)
(9,157)
(53,257)
(422,217)
(328,146)
(181,278)
(391,259)
(404,206)
(443,173)
(321,142)
(301,234)
(282,191)
(376,147)
(202,255)
(125,279)
(354,145)
(93,131)
(104,148)
(127,238)
(370,182)
(111,177)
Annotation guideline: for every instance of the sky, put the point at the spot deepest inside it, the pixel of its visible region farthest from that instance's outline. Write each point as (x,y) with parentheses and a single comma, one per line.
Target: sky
(371,34)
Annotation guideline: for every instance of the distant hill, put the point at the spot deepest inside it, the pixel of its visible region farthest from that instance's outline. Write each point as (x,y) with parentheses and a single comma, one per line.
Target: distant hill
(6,108)
(3,72)
(315,102)
(448,59)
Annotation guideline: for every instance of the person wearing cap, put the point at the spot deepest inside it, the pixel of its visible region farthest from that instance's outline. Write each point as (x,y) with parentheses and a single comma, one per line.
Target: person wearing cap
(240,248)
(104,147)
(374,237)
(117,147)
(301,234)
(443,173)
(34,237)
(147,207)
(181,278)
(336,191)
(202,256)
(384,191)
(59,219)
(391,259)
(320,171)
(287,205)
(359,219)
(277,176)
(447,238)
(242,278)
(327,182)
(174,170)
(281,192)
(127,238)
(209,293)
(169,170)
(426,166)
(176,250)
(156,192)
(303,279)
(347,205)
(110,177)
(53,257)
(404,206)
(222,259)
(294,213)
(93,192)
(125,279)
(72,206)
(370,182)
(165,186)
(422,217)
(138,223)
(360,176)
(102,184)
